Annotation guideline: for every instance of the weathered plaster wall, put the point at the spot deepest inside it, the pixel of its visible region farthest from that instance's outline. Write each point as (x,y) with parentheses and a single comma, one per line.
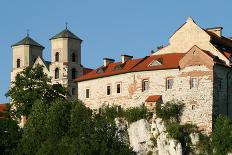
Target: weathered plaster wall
(131,92)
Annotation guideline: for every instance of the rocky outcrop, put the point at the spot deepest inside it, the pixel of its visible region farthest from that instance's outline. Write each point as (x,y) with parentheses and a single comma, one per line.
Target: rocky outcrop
(152,138)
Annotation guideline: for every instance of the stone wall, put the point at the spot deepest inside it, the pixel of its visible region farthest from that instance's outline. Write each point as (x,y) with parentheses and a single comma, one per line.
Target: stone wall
(198,101)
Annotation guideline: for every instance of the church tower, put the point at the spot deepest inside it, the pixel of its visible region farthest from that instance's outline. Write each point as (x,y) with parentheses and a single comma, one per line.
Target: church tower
(66,60)
(25,53)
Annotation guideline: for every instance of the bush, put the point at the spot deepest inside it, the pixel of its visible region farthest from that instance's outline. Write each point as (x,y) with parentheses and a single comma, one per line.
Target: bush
(181,133)
(136,113)
(171,110)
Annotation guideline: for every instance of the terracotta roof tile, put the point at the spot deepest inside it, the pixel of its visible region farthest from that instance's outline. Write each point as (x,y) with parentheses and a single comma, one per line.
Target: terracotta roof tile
(153,98)
(3,107)
(86,70)
(169,61)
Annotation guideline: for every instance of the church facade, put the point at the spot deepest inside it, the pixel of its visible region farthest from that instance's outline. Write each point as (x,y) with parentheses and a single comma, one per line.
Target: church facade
(194,68)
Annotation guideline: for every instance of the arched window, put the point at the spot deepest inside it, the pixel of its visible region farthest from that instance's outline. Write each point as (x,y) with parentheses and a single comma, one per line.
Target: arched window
(18,63)
(73,73)
(73,57)
(57,73)
(57,56)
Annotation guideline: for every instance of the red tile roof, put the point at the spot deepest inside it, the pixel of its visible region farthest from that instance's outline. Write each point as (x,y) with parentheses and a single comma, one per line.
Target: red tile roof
(3,107)
(153,98)
(86,70)
(169,61)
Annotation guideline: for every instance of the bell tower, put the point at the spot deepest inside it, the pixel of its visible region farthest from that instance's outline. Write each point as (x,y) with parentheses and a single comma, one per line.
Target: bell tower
(25,53)
(66,60)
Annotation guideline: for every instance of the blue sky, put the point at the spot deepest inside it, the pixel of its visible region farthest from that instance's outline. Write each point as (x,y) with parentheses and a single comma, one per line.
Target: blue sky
(109,28)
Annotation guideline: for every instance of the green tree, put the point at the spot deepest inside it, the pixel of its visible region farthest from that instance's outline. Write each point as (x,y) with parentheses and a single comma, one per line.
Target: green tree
(10,134)
(30,85)
(222,136)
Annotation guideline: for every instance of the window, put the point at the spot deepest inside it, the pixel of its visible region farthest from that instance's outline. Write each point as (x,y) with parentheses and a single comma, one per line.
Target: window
(73,73)
(118,88)
(87,93)
(108,90)
(193,83)
(144,85)
(169,83)
(57,57)
(57,73)
(73,57)
(18,63)
(193,107)
(73,91)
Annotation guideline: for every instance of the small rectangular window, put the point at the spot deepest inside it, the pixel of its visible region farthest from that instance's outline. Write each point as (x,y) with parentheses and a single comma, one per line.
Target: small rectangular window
(169,83)
(73,91)
(193,83)
(87,93)
(144,85)
(118,88)
(193,107)
(108,91)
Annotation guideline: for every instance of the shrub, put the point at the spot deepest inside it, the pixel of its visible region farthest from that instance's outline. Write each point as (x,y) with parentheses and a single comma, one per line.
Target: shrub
(111,112)
(136,113)
(171,110)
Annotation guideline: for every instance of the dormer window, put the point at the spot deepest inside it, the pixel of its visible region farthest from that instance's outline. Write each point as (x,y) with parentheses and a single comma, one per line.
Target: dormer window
(156,62)
(100,70)
(57,57)
(119,67)
(73,57)
(18,63)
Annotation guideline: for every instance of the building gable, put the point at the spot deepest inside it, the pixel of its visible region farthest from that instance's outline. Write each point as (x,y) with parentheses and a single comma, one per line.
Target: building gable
(197,57)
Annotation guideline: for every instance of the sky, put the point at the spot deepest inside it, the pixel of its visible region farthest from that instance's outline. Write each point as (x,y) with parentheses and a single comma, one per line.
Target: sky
(108,28)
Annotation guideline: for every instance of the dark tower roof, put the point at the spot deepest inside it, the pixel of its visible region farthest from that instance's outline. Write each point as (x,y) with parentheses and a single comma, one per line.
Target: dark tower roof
(27,41)
(66,34)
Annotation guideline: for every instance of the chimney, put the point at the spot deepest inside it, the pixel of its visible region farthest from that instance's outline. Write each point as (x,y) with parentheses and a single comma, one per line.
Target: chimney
(125,58)
(216,30)
(107,61)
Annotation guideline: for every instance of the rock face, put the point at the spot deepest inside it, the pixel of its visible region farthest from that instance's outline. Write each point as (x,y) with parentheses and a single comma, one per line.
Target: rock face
(152,139)
(140,137)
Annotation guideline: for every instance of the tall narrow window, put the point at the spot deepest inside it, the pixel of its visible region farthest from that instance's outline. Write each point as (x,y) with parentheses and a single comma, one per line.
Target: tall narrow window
(118,88)
(73,57)
(144,85)
(18,63)
(193,82)
(73,73)
(57,57)
(169,83)
(73,91)
(57,73)
(108,91)
(87,93)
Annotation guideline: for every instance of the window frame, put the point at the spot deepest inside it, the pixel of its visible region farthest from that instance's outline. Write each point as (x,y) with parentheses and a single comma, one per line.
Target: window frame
(143,85)
(108,90)
(73,73)
(73,90)
(192,86)
(57,57)
(87,93)
(168,86)
(18,63)
(120,87)
(57,73)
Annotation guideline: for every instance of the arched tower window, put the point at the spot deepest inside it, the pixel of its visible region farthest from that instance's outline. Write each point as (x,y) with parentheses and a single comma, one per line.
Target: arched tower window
(18,63)
(73,73)
(57,73)
(73,57)
(57,58)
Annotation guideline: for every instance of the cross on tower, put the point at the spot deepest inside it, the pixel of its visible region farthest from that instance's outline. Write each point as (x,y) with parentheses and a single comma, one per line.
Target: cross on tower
(28,32)
(66,25)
